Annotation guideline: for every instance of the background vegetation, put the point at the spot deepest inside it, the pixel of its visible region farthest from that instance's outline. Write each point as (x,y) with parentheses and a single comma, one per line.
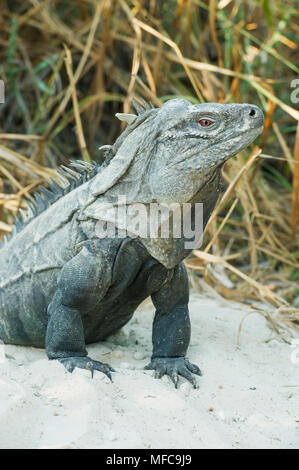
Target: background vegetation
(68,67)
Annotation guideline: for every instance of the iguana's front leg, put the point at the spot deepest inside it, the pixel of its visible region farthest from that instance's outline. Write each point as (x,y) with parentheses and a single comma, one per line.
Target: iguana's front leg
(171,330)
(81,283)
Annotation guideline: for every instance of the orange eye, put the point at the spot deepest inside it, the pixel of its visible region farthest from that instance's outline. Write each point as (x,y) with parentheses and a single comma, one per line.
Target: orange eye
(205,122)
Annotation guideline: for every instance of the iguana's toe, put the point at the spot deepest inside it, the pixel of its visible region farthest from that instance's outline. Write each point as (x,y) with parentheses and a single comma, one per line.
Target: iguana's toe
(173,367)
(193,368)
(159,374)
(184,372)
(70,363)
(175,379)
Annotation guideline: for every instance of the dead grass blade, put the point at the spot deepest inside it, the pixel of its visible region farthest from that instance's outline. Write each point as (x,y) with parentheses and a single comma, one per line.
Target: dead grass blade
(257,151)
(79,128)
(79,69)
(174,46)
(212,19)
(263,291)
(295,193)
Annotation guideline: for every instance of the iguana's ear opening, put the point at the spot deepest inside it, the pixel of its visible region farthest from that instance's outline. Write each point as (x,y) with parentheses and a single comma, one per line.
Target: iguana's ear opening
(129,118)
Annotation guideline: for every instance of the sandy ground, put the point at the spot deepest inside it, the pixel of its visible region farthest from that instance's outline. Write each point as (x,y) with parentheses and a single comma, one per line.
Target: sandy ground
(248,395)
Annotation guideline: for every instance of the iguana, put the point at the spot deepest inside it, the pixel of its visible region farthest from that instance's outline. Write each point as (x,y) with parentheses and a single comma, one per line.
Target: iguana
(62,286)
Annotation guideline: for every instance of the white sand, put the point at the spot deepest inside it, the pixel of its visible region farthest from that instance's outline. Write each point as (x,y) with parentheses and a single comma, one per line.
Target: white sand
(248,396)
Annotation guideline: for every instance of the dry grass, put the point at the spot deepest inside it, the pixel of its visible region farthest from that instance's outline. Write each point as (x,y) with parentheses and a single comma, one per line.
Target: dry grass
(68,67)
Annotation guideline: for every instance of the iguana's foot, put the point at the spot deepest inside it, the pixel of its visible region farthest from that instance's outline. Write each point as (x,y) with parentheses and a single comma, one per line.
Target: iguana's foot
(86,363)
(173,367)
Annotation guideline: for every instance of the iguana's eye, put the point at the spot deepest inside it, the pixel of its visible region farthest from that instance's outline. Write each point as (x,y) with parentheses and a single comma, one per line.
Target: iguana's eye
(205,122)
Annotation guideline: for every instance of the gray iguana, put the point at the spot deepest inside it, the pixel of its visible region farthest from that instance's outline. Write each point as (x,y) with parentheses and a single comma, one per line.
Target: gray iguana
(62,286)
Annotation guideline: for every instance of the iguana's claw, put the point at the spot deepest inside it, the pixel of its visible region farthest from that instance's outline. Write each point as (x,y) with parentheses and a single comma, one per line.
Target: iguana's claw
(173,367)
(86,363)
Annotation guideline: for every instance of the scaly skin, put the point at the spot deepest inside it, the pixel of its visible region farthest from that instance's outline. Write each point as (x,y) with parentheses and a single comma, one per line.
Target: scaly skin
(62,287)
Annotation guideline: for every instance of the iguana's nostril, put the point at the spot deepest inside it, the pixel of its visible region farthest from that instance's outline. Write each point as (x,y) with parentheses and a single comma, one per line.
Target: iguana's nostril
(252,112)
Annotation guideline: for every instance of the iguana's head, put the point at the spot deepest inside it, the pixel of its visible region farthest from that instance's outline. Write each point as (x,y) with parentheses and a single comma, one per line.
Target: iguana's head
(194,140)
(172,151)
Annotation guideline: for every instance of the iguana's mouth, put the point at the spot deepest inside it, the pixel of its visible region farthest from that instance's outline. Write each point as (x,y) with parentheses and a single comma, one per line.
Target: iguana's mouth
(254,132)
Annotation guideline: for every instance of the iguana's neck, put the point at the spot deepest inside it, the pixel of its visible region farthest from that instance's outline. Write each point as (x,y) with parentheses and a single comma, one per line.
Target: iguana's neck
(171,251)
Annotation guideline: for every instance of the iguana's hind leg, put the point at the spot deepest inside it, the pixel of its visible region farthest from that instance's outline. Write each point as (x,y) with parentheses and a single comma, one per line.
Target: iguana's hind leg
(79,286)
